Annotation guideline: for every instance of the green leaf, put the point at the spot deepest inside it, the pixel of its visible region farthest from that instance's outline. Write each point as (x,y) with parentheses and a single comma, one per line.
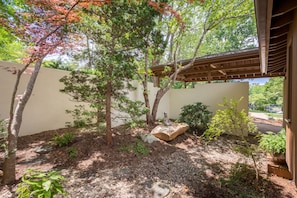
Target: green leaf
(46,185)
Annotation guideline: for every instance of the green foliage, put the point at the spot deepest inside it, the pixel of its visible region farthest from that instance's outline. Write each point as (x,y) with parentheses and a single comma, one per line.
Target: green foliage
(81,117)
(83,87)
(229,120)
(135,109)
(72,152)
(271,93)
(273,142)
(41,184)
(64,140)
(196,116)
(138,148)
(11,48)
(58,64)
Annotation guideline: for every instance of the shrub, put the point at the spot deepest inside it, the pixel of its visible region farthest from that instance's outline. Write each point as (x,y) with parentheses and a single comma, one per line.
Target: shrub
(140,148)
(41,184)
(274,143)
(63,140)
(72,152)
(196,116)
(229,120)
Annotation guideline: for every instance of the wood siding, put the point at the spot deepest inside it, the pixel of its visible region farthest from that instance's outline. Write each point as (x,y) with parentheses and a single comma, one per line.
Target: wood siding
(290,100)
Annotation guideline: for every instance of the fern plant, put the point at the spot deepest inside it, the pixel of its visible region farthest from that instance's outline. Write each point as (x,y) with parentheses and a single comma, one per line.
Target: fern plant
(197,116)
(63,140)
(41,184)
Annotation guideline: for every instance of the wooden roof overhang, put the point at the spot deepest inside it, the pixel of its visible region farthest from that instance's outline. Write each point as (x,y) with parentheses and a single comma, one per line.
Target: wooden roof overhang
(274,18)
(224,66)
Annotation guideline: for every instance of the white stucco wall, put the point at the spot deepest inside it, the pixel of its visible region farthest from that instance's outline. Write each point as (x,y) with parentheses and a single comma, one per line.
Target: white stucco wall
(209,94)
(46,107)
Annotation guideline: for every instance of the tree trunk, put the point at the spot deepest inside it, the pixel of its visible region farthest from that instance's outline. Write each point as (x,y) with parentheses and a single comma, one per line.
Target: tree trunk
(146,96)
(161,92)
(108,113)
(14,127)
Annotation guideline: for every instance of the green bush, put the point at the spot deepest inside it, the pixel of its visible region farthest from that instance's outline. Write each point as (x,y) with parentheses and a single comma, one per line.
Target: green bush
(64,140)
(196,116)
(274,143)
(72,152)
(229,120)
(140,148)
(41,184)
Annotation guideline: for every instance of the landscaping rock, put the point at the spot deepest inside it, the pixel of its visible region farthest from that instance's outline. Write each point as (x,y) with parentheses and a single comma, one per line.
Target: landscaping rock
(160,190)
(44,149)
(149,138)
(169,133)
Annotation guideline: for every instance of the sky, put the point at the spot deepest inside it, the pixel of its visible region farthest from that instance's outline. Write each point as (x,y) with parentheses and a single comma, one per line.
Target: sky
(260,81)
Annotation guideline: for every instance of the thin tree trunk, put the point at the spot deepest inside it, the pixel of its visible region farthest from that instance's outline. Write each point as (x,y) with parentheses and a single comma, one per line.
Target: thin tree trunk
(15,125)
(146,95)
(161,92)
(108,113)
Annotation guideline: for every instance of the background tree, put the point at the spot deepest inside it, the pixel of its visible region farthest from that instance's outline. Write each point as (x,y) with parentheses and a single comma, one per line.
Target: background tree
(198,19)
(271,93)
(114,35)
(84,86)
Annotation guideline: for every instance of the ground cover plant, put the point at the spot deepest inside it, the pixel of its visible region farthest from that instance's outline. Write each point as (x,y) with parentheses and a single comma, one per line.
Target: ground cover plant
(273,143)
(41,184)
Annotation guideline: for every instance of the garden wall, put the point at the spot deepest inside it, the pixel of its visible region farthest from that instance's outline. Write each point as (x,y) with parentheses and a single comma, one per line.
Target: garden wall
(46,107)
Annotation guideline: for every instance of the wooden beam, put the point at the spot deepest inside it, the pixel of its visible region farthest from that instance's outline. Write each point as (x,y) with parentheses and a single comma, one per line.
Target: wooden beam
(278,47)
(280,52)
(278,40)
(240,67)
(279,32)
(283,7)
(222,72)
(282,20)
(213,66)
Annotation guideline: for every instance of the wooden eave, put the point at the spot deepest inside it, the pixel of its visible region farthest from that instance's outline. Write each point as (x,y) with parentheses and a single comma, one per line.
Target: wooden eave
(274,19)
(240,64)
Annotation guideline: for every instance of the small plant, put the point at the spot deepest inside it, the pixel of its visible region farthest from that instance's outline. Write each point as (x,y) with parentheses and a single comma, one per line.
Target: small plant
(196,116)
(229,120)
(63,140)
(72,152)
(274,143)
(239,180)
(41,184)
(81,117)
(140,148)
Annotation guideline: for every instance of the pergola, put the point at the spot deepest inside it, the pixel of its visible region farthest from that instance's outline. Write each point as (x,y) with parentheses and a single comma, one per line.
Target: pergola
(241,64)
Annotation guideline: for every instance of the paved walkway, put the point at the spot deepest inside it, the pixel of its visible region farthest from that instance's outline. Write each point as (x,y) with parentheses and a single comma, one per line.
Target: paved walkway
(259,115)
